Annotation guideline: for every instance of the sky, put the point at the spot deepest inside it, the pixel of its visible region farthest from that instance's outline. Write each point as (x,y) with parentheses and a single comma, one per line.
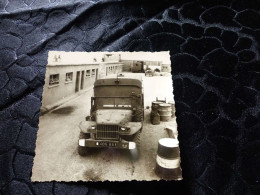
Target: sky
(149,56)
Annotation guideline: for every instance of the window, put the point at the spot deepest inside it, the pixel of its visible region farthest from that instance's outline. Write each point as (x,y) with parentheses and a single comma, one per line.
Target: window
(87,73)
(93,72)
(69,76)
(54,79)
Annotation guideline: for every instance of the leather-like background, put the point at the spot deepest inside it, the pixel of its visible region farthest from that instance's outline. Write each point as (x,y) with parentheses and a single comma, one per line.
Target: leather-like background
(216,72)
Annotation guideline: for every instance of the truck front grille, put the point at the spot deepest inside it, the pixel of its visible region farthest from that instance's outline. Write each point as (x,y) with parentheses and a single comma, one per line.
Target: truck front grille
(107,131)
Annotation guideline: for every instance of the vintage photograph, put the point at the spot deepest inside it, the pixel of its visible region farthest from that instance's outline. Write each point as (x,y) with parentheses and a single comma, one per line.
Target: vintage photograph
(107,116)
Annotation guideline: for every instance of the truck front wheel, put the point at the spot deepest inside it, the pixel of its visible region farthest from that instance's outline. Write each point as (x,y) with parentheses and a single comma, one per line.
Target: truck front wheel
(136,153)
(139,115)
(136,139)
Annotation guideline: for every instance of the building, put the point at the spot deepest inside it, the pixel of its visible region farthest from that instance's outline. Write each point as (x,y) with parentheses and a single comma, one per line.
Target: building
(69,73)
(153,65)
(129,65)
(156,61)
(166,68)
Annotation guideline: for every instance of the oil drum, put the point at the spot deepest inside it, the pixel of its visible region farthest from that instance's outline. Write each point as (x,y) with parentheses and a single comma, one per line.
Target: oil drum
(168,159)
(155,105)
(165,112)
(173,108)
(155,117)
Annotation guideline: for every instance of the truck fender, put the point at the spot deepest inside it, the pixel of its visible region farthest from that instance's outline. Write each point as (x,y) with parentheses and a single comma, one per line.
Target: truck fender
(85,126)
(134,127)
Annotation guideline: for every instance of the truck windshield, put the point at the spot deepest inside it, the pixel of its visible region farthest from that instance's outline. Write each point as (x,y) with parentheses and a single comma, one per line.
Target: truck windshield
(114,102)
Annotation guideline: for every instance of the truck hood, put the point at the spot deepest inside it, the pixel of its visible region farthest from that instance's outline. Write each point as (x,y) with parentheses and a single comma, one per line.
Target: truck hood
(113,116)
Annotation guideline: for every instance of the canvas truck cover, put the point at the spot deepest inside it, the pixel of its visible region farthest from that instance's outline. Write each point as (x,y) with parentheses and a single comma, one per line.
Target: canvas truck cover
(117,87)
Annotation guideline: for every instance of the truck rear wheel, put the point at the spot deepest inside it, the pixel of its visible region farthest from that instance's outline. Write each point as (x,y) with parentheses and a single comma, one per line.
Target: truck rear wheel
(83,151)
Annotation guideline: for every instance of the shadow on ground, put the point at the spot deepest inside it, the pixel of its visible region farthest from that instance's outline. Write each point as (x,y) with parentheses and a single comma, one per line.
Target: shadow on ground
(64,110)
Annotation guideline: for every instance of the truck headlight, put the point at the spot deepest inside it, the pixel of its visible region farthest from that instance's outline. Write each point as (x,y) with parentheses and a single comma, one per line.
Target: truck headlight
(123,129)
(93,127)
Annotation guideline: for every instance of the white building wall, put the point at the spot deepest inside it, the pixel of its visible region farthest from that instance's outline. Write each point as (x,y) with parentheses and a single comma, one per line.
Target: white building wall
(55,93)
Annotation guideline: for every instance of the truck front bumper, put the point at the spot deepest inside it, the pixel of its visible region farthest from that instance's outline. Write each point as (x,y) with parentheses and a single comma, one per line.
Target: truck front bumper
(91,143)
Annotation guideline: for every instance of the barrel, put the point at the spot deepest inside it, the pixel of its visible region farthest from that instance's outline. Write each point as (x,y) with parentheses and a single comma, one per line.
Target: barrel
(155,105)
(172,103)
(165,112)
(168,159)
(155,117)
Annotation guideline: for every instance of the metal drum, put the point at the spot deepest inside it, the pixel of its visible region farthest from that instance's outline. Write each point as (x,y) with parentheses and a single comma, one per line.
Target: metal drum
(155,105)
(155,118)
(168,159)
(172,103)
(165,112)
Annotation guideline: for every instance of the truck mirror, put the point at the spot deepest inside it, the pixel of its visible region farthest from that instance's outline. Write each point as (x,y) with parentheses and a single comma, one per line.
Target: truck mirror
(147,107)
(88,118)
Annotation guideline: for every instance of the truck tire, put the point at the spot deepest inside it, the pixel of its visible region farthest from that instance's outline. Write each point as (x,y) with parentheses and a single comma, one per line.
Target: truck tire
(83,151)
(137,140)
(139,115)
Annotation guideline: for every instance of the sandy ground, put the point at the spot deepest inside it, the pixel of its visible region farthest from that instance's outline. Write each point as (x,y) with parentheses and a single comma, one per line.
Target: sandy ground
(56,147)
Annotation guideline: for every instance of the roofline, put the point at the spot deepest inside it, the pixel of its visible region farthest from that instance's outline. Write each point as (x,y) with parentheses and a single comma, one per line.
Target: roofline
(103,84)
(99,63)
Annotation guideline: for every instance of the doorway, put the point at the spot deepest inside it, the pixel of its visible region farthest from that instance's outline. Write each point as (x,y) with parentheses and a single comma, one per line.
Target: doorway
(77,81)
(82,79)
(96,73)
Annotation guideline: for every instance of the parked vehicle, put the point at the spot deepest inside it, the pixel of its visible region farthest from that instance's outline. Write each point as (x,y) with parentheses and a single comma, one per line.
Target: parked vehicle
(149,72)
(116,115)
(138,67)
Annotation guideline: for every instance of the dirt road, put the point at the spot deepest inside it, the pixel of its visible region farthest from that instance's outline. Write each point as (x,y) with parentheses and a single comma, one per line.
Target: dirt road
(56,147)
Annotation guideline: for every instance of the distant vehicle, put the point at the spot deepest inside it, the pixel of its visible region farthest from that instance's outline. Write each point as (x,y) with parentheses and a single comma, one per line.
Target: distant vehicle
(138,67)
(153,68)
(116,115)
(148,72)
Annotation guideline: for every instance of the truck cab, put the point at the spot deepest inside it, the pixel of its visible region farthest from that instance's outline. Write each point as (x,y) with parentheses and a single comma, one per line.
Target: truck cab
(116,115)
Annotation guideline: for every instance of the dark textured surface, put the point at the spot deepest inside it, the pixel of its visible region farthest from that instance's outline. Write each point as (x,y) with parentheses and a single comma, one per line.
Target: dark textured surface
(215,56)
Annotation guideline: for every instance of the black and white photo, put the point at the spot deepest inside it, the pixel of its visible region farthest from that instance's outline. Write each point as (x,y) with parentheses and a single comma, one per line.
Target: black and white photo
(107,116)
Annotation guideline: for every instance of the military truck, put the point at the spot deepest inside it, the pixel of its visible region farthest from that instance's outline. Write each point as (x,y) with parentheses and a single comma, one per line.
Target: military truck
(116,115)
(138,67)
(148,72)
